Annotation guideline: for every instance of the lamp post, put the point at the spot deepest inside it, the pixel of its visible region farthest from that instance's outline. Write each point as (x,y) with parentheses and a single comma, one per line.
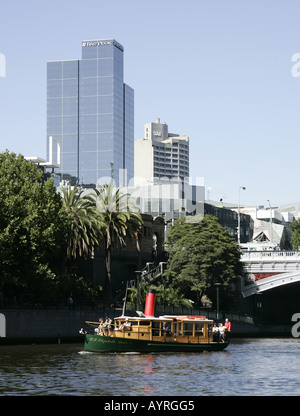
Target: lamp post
(239,215)
(271,223)
(218,300)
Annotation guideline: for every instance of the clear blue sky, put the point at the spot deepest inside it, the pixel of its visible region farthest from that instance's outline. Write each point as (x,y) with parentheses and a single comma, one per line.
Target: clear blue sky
(218,71)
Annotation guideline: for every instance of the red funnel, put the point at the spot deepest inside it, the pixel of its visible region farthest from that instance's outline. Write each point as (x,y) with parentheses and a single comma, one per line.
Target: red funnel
(150,303)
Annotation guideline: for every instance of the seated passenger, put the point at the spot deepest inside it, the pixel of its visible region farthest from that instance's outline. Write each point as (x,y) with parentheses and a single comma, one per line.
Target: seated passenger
(166,329)
(126,326)
(215,333)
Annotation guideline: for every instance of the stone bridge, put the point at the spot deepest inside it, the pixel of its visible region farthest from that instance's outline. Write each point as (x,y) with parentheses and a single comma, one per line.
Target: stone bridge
(266,270)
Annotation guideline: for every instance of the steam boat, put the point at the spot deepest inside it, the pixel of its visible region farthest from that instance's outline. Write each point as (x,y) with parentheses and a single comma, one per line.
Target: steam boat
(147,333)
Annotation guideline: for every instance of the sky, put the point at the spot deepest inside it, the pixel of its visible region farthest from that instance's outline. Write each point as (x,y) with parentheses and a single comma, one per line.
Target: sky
(219,71)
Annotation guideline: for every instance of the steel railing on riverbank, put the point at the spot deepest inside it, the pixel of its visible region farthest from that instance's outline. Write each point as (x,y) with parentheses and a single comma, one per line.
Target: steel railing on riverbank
(116,310)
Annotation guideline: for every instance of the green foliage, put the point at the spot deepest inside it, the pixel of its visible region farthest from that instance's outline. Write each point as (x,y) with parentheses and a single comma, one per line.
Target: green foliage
(32,226)
(120,221)
(44,235)
(201,254)
(78,287)
(164,295)
(85,223)
(119,215)
(295,227)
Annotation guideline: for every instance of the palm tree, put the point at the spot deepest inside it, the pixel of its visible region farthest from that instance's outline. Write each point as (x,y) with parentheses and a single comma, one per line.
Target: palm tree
(85,223)
(121,220)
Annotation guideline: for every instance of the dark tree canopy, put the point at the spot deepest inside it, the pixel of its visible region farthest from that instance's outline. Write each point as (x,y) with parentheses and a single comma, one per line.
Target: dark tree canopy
(45,236)
(201,254)
(32,227)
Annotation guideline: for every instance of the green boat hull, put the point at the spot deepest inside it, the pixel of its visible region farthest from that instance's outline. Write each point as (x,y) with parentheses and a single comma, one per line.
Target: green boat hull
(96,343)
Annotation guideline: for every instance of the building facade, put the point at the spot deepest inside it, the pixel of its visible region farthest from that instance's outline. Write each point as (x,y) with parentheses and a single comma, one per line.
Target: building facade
(160,155)
(228,218)
(90,113)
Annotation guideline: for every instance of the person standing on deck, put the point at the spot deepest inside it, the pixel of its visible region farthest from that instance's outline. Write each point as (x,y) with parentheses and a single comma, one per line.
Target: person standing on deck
(228,327)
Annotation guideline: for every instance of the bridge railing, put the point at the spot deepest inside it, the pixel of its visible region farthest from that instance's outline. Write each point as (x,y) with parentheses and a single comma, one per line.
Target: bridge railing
(248,256)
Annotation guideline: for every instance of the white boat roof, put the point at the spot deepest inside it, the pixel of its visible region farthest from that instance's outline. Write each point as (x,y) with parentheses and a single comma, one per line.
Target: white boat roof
(146,318)
(169,318)
(189,318)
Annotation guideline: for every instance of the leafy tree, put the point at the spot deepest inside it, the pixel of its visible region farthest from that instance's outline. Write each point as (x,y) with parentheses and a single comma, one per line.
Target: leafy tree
(295,227)
(121,221)
(201,254)
(32,227)
(170,296)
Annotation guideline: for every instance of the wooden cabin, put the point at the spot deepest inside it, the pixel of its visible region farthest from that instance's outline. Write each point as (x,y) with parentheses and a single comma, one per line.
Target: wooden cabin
(177,328)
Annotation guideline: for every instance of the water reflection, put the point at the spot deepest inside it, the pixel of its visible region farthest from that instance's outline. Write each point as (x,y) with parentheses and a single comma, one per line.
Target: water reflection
(258,367)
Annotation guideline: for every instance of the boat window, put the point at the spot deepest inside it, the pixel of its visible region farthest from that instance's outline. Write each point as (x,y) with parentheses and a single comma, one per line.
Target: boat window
(187,329)
(134,323)
(198,329)
(144,323)
(155,328)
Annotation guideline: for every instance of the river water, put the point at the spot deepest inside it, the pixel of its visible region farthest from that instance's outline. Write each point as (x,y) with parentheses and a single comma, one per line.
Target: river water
(247,367)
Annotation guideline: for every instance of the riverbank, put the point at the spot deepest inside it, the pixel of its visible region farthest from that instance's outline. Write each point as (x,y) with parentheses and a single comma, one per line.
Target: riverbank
(62,326)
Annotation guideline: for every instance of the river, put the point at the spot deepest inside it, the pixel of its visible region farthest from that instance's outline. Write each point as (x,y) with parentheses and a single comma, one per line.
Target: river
(247,367)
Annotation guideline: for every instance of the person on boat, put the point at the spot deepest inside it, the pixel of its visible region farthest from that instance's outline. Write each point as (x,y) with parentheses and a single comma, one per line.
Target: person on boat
(228,328)
(107,327)
(216,332)
(228,324)
(221,332)
(100,330)
(166,328)
(126,326)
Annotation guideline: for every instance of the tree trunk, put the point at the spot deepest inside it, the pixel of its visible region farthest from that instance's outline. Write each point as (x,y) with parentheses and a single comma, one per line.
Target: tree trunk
(108,284)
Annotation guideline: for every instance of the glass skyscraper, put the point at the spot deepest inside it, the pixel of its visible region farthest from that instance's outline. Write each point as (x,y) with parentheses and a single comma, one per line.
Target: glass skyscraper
(90,112)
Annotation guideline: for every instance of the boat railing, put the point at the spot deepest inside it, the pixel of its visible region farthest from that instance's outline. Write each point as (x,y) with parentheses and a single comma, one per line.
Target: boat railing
(148,333)
(187,338)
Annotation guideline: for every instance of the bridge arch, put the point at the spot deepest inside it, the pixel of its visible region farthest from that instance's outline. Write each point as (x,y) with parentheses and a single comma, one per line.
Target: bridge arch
(269,283)
(270,269)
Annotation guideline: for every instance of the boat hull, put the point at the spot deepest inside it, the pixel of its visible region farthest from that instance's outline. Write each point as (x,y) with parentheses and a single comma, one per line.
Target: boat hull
(97,343)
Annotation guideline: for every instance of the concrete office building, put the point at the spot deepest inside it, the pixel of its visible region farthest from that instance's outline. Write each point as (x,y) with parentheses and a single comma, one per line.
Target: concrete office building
(160,155)
(90,113)
(170,201)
